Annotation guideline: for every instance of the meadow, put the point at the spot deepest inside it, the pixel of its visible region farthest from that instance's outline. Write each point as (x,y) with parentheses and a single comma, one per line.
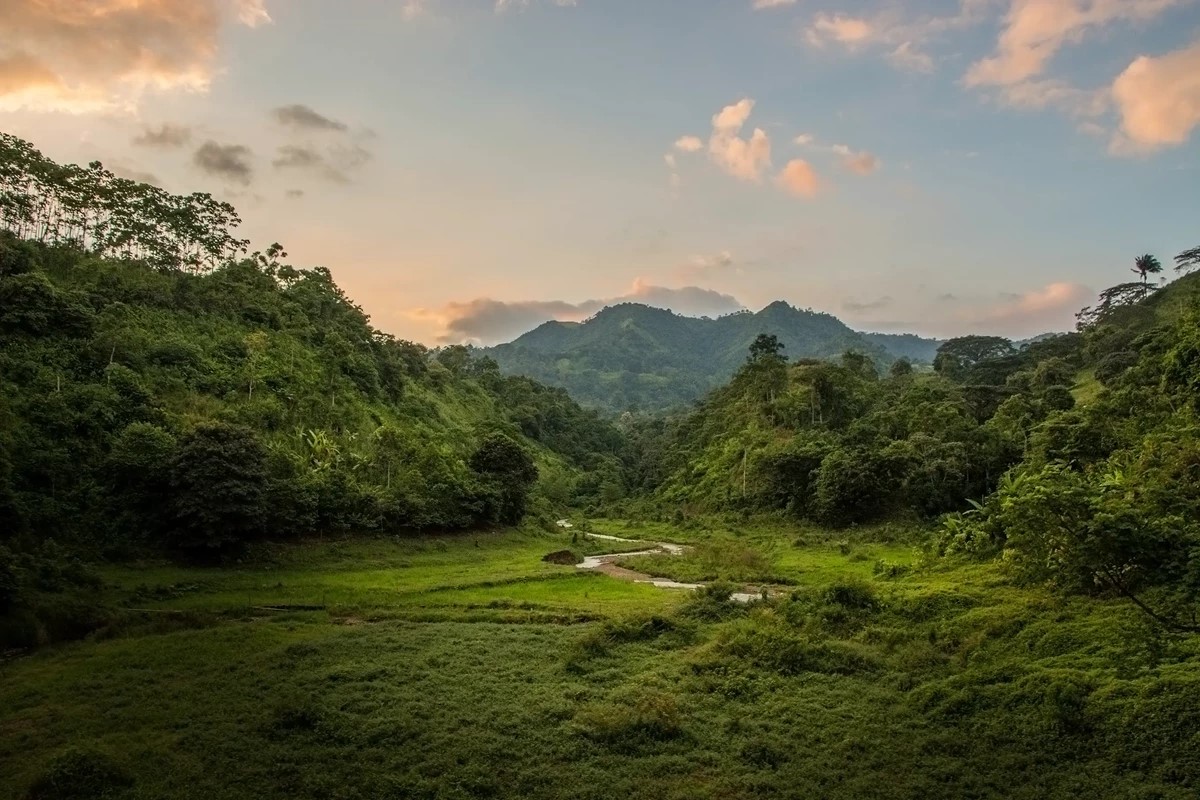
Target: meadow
(464,666)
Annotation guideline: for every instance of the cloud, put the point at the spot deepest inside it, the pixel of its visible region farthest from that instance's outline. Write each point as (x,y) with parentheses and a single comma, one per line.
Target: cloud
(166,135)
(869,305)
(901,39)
(504,5)
(303,117)
(760,5)
(860,163)
(133,174)
(689,144)
(334,165)
(838,28)
(1035,30)
(805,139)
(1056,94)
(746,159)
(799,178)
(704,267)
(1158,100)
(488,321)
(1051,307)
(230,162)
(908,56)
(252,13)
(103,55)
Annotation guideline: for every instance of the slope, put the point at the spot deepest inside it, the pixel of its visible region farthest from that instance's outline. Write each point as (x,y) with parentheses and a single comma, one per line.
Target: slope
(632,356)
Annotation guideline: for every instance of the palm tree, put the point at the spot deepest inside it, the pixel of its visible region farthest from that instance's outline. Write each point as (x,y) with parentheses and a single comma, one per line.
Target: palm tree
(1145,265)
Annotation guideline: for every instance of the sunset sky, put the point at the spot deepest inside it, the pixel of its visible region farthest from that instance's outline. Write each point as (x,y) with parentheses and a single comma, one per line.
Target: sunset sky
(470,168)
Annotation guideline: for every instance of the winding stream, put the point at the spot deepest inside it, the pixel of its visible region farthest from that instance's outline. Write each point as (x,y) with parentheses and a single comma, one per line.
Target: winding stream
(606,563)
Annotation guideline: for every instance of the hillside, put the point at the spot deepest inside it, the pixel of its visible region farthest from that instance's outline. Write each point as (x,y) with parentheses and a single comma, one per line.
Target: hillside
(632,356)
(161,387)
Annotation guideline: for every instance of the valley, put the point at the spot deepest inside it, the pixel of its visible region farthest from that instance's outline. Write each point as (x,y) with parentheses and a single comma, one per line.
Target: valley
(463,666)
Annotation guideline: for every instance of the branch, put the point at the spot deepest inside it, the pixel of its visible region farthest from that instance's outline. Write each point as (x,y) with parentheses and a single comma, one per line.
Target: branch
(1170,624)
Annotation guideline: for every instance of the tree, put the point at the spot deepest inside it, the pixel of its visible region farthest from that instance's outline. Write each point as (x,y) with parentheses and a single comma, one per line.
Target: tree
(507,473)
(956,356)
(218,487)
(1112,300)
(1188,259)
(1146,265)
(766,346)
(900,368)
(138,469)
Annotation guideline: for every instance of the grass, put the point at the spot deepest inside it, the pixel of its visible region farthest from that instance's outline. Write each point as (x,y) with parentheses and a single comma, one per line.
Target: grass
(1086,388)
(466,667)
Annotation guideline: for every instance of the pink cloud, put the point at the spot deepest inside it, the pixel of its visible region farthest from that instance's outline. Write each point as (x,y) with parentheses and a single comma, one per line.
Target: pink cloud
(838,28)
(1049,308)
(104,54)
(746,159)
(1158,100)
(1035,30)
(799,178)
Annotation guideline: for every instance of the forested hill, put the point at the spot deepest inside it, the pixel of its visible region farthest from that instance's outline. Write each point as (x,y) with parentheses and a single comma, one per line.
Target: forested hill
(632,356)
(160,386)
(1075,458)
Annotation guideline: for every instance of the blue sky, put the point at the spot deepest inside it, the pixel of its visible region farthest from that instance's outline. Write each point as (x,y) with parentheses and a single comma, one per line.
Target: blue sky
(470,169)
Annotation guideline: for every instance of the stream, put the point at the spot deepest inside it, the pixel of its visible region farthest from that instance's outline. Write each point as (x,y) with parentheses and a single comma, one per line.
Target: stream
(606,563)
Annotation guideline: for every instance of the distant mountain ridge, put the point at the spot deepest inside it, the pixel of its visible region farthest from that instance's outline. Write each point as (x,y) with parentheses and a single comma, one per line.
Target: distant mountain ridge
(636,357)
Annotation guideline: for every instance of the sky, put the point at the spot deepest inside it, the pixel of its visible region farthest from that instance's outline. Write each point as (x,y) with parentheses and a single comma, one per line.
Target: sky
(471,168)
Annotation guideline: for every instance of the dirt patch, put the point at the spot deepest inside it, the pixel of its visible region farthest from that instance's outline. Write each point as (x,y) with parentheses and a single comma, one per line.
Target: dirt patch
(565,557)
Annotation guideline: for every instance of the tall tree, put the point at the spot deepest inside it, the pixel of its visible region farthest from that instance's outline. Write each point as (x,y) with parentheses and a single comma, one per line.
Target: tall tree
(1146,265)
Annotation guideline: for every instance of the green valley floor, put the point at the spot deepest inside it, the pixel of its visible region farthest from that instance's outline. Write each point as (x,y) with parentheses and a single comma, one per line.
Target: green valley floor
(466,667)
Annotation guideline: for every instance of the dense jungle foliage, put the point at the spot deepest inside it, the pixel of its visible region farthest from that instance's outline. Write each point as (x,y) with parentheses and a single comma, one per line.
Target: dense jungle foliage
(1075,458)
(161,389)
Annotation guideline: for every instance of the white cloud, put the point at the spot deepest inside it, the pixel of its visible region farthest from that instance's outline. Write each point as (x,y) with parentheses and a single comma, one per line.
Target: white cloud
(759,5)
(689,144)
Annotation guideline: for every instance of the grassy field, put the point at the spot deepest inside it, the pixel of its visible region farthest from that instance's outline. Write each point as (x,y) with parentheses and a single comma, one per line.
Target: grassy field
(465,667)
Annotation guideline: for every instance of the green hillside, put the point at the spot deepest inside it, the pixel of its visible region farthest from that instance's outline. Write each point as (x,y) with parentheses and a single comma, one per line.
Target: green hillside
(634,357)
(162,387)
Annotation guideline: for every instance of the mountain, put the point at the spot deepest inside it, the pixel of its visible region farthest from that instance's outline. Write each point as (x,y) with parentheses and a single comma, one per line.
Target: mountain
(633,356)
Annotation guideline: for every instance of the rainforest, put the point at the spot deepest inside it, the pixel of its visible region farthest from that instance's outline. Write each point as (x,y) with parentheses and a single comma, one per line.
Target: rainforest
(253,546)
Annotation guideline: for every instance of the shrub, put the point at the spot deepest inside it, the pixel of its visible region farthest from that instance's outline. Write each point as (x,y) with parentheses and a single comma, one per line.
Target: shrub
(633,719)
(853,595)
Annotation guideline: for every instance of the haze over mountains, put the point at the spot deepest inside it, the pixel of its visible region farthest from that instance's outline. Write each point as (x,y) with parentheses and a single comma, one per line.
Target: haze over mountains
(632,356)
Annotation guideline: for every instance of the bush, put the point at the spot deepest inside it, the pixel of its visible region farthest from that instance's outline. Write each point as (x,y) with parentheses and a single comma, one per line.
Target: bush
(853,595)
(218,483)
(633,719)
